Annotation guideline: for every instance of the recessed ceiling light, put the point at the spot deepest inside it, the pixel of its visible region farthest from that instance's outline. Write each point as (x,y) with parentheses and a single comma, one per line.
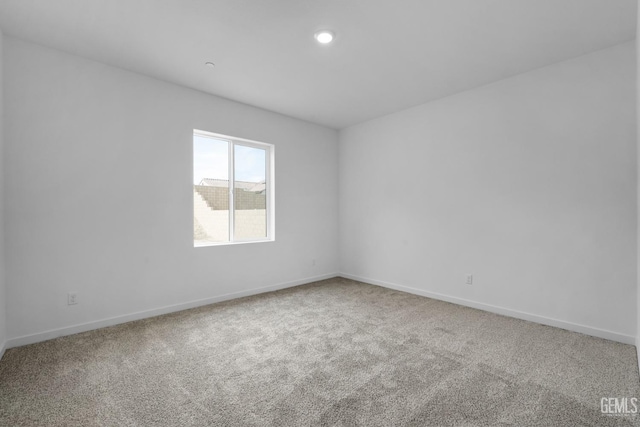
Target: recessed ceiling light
(324,36)
(210,64)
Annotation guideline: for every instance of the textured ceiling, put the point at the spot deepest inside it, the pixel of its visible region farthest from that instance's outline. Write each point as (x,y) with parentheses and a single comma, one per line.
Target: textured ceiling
(387,56)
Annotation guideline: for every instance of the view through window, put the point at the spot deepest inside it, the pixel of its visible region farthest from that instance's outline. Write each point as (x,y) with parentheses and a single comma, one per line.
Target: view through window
(232,190)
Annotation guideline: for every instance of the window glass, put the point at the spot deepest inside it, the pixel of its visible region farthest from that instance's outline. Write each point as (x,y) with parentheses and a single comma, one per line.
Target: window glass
(250,192)
(210,190)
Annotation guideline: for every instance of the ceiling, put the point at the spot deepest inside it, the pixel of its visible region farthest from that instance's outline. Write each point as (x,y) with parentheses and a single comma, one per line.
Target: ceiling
(387,55)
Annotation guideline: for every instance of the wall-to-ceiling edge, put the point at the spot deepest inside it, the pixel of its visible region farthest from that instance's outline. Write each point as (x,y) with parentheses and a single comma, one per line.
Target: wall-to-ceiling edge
(529,184)
(405,286)
(99,197)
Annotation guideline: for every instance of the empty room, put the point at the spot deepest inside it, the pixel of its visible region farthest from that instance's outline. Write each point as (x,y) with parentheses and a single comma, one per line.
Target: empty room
(319,213)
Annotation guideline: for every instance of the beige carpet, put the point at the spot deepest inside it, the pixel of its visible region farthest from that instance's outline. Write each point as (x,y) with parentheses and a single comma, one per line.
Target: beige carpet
(335,352)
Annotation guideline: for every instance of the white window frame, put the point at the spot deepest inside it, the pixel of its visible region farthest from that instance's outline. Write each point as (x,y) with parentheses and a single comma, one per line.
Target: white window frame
(269,187)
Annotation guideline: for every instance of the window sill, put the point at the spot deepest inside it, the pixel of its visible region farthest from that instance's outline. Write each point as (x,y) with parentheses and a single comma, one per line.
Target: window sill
(208,244)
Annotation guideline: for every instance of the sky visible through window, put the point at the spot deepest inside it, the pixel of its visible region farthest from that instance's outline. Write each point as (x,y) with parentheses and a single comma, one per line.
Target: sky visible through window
(210,160)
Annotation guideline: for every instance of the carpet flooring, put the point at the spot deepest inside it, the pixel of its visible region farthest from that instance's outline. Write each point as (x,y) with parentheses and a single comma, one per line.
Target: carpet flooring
(332,353)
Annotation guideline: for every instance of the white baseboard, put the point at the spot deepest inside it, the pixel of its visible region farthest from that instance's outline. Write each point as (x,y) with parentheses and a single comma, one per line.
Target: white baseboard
(3,347)
(74,329)
(587,330)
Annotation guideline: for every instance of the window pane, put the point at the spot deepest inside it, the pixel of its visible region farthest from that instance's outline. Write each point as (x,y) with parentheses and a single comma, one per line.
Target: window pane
(210,190)
(250,193)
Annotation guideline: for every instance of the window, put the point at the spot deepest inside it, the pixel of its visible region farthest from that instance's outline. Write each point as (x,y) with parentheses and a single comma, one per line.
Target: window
(232,190)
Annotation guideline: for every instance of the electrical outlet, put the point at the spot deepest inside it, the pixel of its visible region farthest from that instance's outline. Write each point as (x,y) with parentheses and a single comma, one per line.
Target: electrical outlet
(469,279)
(72,298)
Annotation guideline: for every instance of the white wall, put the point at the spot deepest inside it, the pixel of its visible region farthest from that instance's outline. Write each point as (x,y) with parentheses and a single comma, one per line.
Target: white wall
(529,184)
(85,140)
(3,331)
